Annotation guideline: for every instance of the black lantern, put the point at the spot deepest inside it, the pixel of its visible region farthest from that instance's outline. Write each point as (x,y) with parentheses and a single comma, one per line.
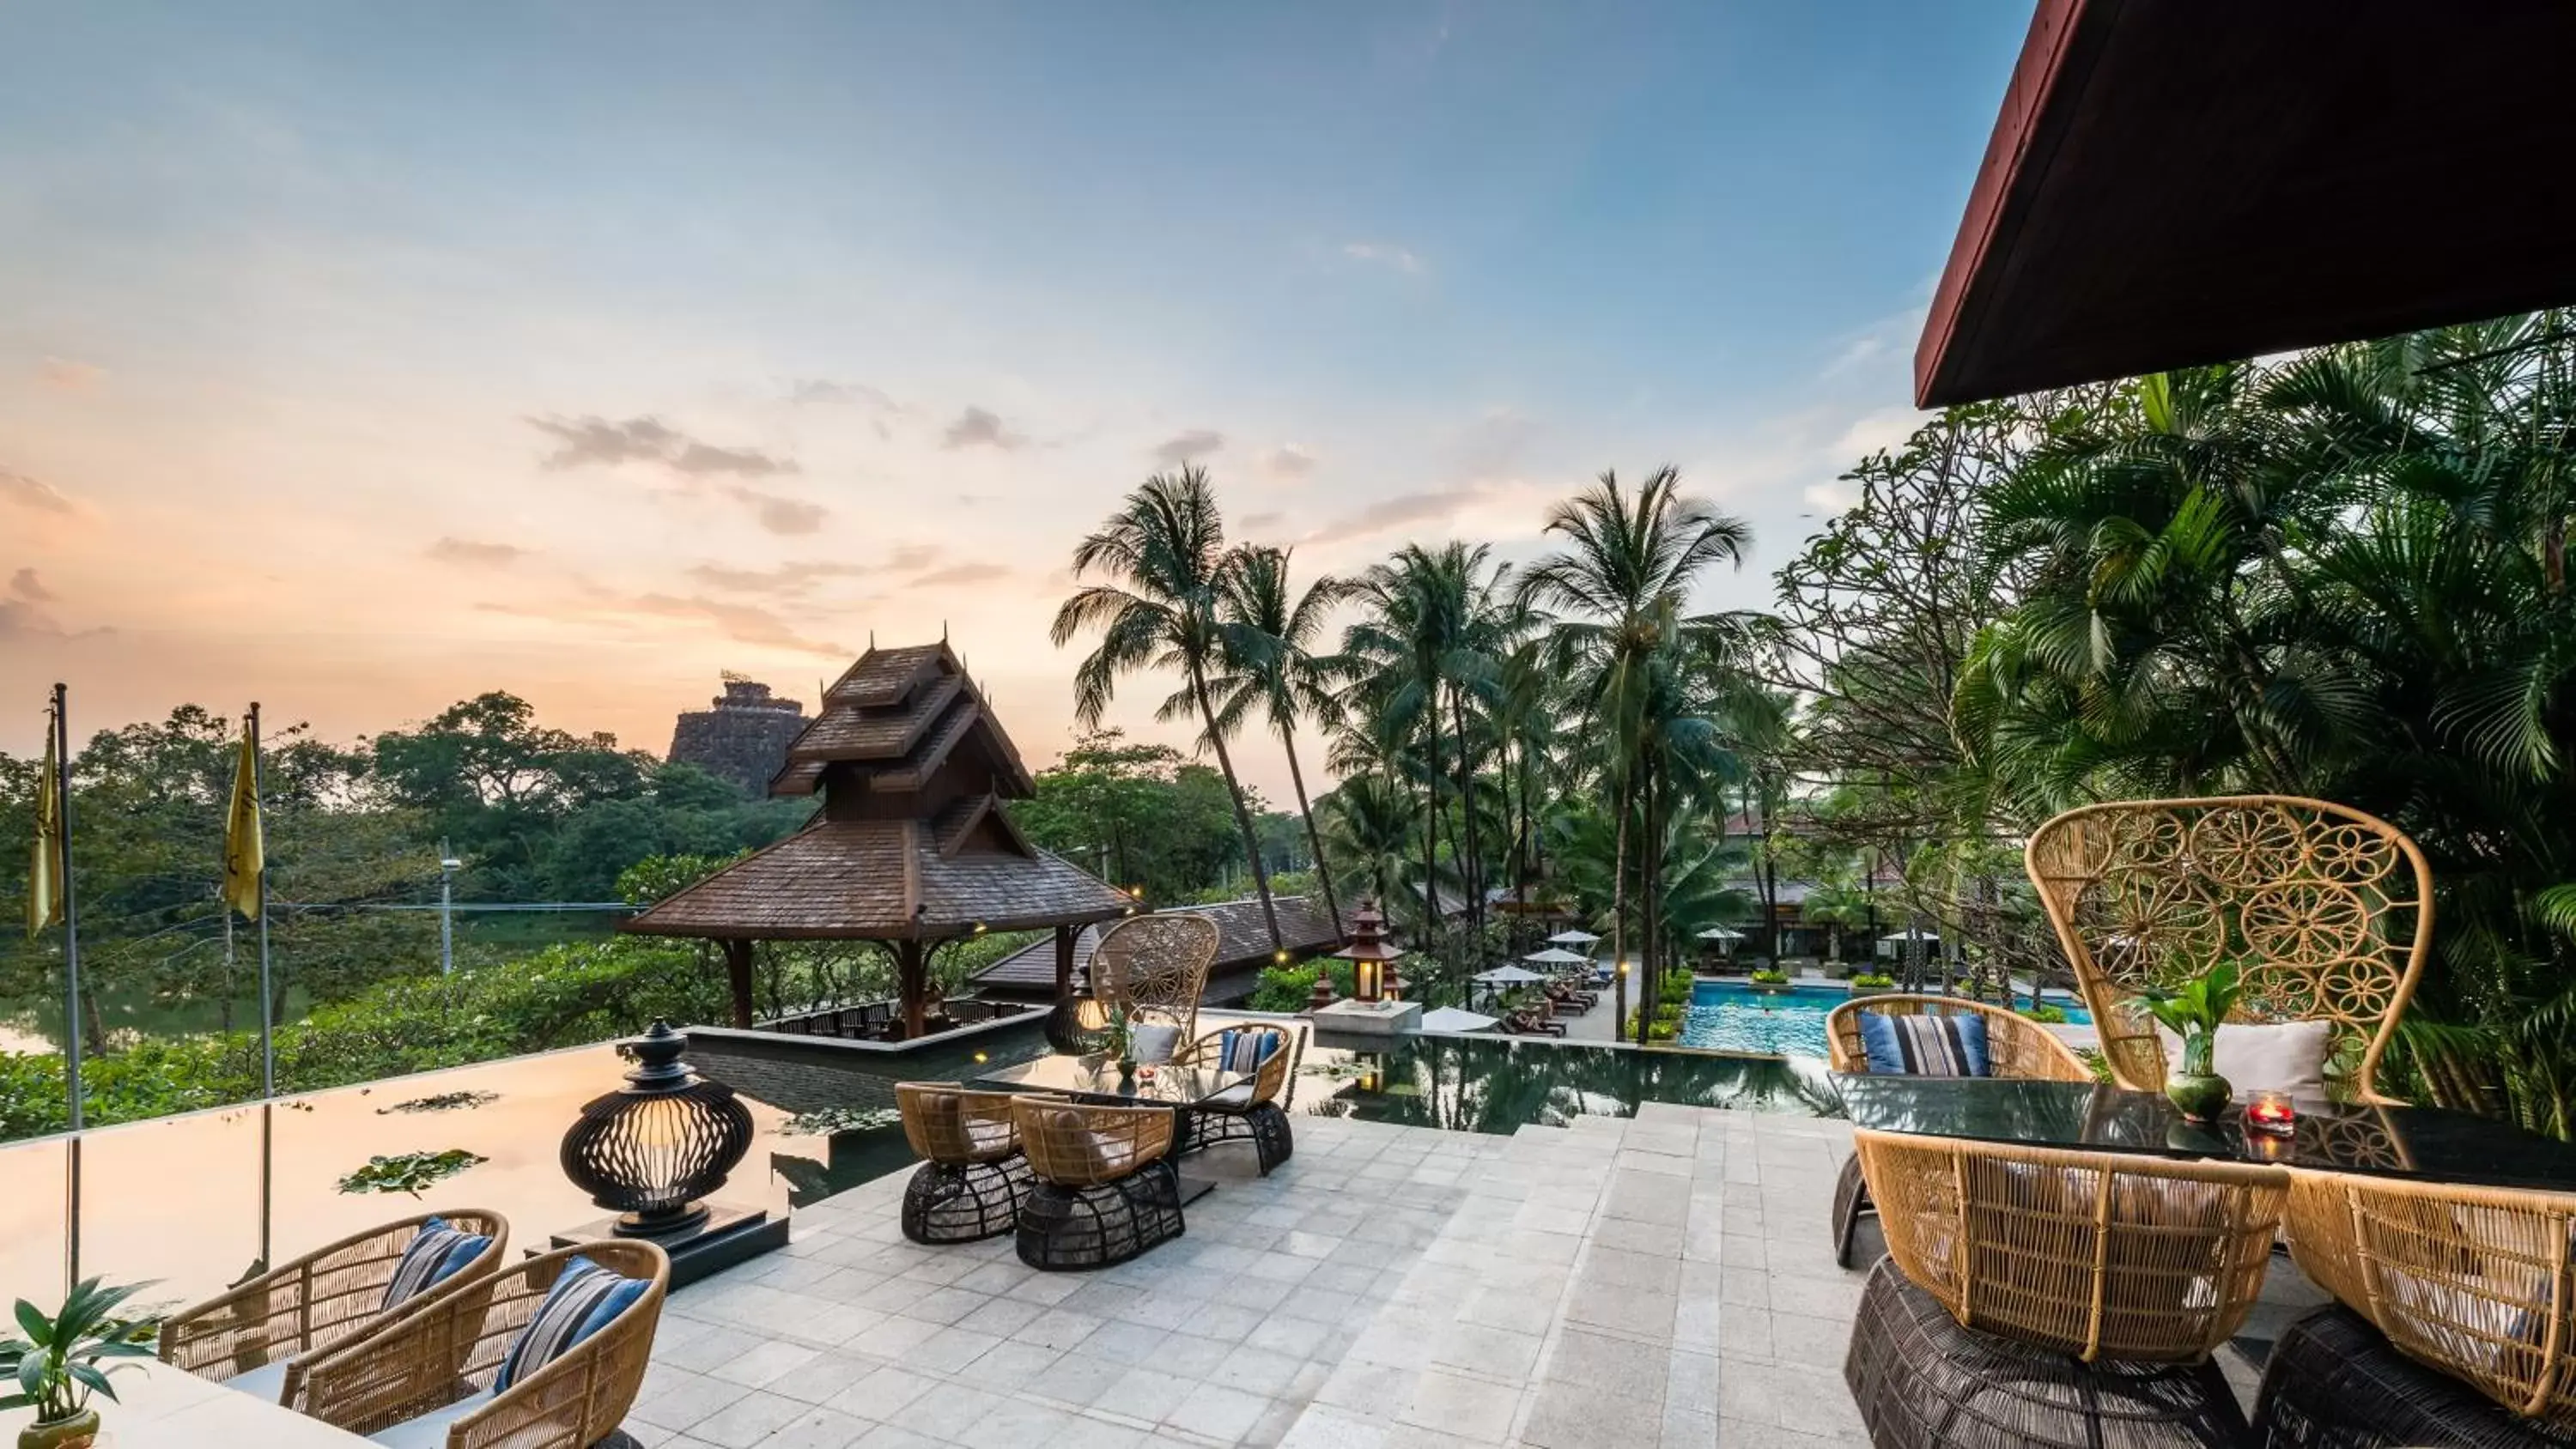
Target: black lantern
(1078,1024)
(652,1149)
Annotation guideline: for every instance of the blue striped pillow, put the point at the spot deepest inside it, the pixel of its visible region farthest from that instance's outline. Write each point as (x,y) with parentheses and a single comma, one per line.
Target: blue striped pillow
(585,1299)
(1243,1052)
(436,1253)
(1918,1045)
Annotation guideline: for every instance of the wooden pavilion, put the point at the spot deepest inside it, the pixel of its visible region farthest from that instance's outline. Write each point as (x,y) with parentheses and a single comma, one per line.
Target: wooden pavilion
(911,849)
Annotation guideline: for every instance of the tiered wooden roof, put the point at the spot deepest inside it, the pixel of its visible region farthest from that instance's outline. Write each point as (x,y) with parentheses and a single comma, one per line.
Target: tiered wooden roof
(912,842)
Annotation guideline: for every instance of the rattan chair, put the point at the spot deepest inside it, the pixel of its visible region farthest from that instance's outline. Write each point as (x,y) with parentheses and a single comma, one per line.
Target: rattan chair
(2098,1255)
(2472,1281)
(1156,966)
(2327,911)
(1253,1111)
(2016,1046)
(1106,1190)
(431,1373)
(2335,1382)
(258,1336)
(973,1176)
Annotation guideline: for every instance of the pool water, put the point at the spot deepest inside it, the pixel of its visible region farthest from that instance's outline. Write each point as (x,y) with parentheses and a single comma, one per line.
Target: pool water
(1486,1084)
(1731,1016)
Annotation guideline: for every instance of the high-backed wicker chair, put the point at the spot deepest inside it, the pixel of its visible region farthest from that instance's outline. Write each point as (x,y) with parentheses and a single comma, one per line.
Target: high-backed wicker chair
(1254,1110)
(1106,1190)
(258,1336)
(2472,1281)
(424,1380)
(1156,966)
(973,1176)
(2016,1046)
(2326,910)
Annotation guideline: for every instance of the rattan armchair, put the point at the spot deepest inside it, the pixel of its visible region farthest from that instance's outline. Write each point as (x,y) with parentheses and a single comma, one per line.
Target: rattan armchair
(1156,966)
(973,1176)
(2327,911)
(2016,1046)
(259,1335)
(1106,1190)
(2472,1281)
(1253,1111)
(434,1370)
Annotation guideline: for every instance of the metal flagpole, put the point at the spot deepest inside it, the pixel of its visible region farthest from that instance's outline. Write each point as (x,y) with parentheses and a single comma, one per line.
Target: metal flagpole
(71,989)
(267,1042)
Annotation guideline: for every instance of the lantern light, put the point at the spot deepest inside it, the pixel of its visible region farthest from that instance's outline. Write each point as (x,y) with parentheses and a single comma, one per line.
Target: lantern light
(652,1149)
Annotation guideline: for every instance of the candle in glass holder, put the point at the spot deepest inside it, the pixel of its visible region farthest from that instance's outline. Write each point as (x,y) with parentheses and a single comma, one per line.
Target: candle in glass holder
(2271,1113)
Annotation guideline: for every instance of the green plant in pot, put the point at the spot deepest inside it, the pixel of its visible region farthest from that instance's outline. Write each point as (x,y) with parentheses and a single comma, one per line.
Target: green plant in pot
(2194,1014)
(1121,1042)
(53,1363)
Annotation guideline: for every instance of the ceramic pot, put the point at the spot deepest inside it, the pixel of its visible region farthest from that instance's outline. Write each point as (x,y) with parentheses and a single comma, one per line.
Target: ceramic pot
(77,1432)
(2199,1093)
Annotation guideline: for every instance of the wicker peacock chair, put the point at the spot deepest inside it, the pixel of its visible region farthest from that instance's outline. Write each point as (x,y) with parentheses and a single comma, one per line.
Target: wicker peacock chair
(1156,966)
(2326,910)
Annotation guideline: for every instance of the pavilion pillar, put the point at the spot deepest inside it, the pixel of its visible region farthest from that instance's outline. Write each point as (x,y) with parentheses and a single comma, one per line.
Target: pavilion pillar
(912,979)
(738,978)
(1064,963)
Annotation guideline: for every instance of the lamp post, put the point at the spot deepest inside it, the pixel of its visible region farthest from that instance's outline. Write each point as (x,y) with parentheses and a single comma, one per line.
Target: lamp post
(447,865)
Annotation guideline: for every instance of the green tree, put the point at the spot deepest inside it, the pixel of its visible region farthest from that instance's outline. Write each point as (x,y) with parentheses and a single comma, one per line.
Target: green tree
(1268,649)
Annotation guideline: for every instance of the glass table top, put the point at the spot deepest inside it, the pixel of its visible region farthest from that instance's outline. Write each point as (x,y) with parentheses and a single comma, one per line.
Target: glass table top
(2418,1142)
(1166,1085)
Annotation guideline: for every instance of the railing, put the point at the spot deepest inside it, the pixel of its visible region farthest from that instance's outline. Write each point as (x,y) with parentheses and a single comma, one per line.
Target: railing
(883,1020)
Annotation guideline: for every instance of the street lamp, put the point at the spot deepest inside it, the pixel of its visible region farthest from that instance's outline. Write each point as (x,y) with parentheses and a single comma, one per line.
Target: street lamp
(447,867)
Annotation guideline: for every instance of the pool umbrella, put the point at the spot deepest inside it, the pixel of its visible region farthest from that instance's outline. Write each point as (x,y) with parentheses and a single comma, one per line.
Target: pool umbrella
(1502,977)
(1450,1018)
(1555,957)
(1720,933)
(1572,938)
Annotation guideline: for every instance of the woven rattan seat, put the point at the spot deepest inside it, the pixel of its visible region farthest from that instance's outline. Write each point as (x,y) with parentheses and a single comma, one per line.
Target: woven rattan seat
(1105,1191)
(2335,1382)
(2016,1046)
(1254,1112)
(1156,966)
(973,1177)
(1924,1382)
(310,1303)
(2327,911)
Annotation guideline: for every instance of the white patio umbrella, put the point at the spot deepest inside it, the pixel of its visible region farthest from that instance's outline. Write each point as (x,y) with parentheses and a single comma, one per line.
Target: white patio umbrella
(1450,1018)
(1721,933)
(1507,976)
(1552,956)
(1571,937)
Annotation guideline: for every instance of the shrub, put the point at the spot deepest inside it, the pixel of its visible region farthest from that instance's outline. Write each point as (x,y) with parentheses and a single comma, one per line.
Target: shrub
(1289,988)
(1767,977)
(1873,981)
(2044,1015)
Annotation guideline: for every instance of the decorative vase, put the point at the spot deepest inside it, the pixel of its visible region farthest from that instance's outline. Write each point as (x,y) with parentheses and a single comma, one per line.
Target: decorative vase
(1126,1073)
(2198,1092)
(77,1432)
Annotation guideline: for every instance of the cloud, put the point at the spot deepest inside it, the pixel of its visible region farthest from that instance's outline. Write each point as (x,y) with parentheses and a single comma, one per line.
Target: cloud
(981,427)
(1261,520)
(1195,443)
(1288,460)
(823,391)
(780,514)
(964,573)
(70,376)
(791,578)
(25,585)
(474,553)
(1382,254)
(909,556)
(742,623)
(1396,512)
(24,613)
(594,440)
(32,493)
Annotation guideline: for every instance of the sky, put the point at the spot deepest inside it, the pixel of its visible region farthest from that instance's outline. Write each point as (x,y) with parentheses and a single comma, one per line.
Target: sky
(359,359)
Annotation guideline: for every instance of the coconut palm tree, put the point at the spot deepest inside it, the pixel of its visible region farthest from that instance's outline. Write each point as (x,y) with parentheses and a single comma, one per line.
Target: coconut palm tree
(1270,660)
(1164,554)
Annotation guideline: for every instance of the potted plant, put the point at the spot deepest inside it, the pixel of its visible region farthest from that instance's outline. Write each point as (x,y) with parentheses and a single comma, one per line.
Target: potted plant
(2194,1013)
(1871,983)
(1770,979)
(55,1366)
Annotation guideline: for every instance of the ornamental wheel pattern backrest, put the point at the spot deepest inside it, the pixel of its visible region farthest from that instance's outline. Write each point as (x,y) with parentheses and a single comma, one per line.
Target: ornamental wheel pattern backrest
(2325,910)
(1157,967)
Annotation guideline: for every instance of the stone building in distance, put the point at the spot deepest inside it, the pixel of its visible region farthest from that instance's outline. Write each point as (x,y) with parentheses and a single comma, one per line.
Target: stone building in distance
(744,738)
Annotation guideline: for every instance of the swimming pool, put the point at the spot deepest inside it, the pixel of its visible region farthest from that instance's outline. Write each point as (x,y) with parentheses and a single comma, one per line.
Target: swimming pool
(1731,1016)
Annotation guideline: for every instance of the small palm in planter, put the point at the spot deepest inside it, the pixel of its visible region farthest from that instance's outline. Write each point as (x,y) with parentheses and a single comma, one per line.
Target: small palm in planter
(55,1366)
(2194,1014)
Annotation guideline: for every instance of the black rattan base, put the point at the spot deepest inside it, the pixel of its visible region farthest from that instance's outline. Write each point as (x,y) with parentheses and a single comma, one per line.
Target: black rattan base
(950,1202)
(2335,1382)
(1071,1229)
(1924,1382)
(1262,1124)
(1851,1199)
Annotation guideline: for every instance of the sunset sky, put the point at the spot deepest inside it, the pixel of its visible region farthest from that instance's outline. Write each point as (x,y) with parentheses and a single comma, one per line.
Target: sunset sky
(359,358)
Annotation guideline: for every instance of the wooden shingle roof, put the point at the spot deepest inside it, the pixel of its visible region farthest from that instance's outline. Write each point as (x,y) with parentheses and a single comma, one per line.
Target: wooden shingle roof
(894,718)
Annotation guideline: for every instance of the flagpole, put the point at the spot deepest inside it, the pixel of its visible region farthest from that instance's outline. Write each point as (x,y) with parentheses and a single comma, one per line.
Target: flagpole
(267,1039)
(71,987)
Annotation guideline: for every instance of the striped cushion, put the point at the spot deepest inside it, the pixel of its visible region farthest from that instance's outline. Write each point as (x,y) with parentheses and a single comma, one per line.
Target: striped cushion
(1243,1052)
(435,1254)
(585,1299)
(1917,1045)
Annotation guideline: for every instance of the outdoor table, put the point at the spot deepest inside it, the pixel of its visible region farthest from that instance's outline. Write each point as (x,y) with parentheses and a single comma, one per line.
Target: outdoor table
(1096,1079)
(162,1407)
(2423,1143)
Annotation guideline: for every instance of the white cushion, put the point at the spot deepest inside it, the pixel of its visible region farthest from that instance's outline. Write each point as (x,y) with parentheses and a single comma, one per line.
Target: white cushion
(265,1382)
(2287,1056)
(429,1431)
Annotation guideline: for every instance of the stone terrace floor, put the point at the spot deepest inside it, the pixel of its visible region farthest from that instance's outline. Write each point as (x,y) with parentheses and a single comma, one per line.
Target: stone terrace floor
(1666,1280)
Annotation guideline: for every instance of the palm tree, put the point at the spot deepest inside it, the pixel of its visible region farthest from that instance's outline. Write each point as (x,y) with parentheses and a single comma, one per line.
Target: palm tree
(1371,827)
(1626,574)
(1165,551)
(1270,659)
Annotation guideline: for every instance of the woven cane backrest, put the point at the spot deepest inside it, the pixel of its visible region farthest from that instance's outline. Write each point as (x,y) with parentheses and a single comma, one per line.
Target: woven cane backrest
(2101,1255)
(1157,967)
(2016,1046)
(946,1123)
(2326,912)
(1079,1144)
(1270,1079)
(2473,1281)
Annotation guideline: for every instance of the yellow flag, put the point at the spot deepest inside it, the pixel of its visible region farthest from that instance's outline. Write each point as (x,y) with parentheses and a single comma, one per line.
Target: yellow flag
(45,872)
(245,855)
